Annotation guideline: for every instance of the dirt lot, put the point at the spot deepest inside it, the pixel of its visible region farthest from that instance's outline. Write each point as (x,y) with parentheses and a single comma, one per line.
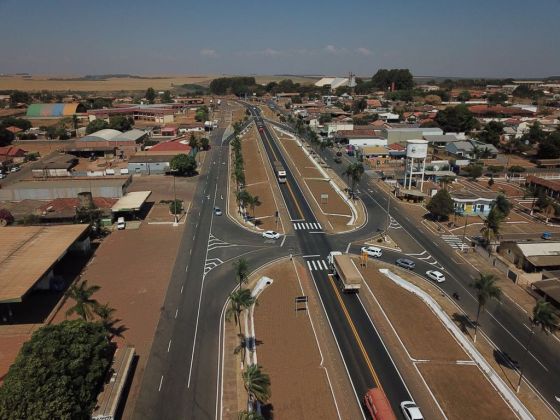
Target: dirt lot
(451,385)
(288,351)
(434,351)
(133,268)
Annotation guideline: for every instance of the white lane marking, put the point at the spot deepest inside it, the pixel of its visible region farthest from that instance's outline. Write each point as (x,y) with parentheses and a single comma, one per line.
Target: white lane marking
(176,312)
(309,266)
(296,227)
(160,383)
(325,264)
(168,346)
(283,240)
(310,256)
(348,247)
(308,225)
(314,266)
(182,289)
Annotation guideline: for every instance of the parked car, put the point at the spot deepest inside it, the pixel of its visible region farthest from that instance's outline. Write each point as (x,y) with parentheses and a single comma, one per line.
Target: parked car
(270,234)
(2,176)
(217,211)
(406,263)
(15,169)
(436,276)
(121,224)
(546,235)
(372,251)
(411,411)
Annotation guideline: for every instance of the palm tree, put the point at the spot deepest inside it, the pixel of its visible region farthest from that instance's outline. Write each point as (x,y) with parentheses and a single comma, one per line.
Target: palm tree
(257,384)
(354,172)
(194,143)
(238,301)
(241,267)
(544,317)
(105,314)
(85,306)
(254,202)
(486,289)
(491,229)
(445,180)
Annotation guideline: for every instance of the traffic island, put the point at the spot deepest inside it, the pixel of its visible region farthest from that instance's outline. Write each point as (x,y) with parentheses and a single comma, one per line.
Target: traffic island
(323,189)
(305,383)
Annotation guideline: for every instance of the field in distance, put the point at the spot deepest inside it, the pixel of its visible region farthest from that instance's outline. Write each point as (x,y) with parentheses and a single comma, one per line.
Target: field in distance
(122,83)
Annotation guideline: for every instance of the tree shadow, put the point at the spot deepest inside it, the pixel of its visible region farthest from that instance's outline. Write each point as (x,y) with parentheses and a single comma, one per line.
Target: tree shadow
(506,363)
(463,322)
(268,411)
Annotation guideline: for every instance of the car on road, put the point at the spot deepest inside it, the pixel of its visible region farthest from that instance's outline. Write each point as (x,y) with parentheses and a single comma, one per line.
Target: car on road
(2,176)
(546,236)
(217,211)
(406,263)
(15,169)
(270,234)
(121,224)
(436,276)
(372,251)
(337,160)
(411,411)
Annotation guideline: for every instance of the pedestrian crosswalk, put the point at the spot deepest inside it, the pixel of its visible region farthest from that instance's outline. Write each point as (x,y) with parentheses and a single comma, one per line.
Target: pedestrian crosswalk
(317,265)
(453,241)
(307,226)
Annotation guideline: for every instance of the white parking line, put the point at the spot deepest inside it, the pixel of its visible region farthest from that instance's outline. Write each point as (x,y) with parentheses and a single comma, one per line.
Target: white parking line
(168,346)
(160,383)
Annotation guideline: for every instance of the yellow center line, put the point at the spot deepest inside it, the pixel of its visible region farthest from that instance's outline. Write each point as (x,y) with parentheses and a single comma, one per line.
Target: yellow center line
(356,336)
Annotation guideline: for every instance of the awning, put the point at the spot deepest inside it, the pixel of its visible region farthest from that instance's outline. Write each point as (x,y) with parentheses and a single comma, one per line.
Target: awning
(132,201)
(550,287)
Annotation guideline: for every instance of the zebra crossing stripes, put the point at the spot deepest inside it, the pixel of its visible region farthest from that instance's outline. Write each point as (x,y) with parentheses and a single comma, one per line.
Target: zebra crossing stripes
(453,241)
(307,226)
(317,265)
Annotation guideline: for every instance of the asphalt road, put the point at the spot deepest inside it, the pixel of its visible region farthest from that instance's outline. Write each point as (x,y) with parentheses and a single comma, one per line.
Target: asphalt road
(506,324)
(366,358)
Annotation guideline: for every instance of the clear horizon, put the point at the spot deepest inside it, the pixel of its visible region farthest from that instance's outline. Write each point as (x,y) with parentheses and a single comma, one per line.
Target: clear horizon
(433,39)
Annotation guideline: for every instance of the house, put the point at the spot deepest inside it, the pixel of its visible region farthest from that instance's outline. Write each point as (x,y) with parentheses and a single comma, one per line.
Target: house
(373,151)
(471,149)
(550,187)
(13,129)
(473,203)
(400,134)
(12,152)
(532,256)
(56,166)
(169,131)
(150,163)
(360,138)
(373,103)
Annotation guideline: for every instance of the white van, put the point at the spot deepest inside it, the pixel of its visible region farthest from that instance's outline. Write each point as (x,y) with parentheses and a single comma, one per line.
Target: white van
(121,224)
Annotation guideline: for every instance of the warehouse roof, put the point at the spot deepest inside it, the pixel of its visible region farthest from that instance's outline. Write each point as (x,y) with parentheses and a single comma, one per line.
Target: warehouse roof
(37,248)
(105,134)
(146,158)
(132,201)
(131,135)
(55,110)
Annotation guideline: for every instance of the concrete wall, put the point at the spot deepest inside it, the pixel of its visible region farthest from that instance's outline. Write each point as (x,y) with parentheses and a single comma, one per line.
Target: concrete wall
(148,168)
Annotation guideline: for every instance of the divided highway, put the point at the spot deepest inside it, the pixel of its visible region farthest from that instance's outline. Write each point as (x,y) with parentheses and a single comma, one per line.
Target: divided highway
(367,361)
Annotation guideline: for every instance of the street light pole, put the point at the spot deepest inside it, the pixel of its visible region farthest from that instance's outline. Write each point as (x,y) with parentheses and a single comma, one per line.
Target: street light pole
(464,231)
(388,217)
(175,219)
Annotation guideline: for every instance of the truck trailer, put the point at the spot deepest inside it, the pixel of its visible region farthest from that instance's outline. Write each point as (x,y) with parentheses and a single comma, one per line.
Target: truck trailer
(344,268)
(280,172)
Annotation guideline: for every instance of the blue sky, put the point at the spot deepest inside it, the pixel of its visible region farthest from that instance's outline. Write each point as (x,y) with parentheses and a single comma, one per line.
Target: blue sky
(474,38)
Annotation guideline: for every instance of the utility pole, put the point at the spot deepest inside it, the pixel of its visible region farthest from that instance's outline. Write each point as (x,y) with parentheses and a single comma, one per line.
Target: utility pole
(175,219)
(388,217)
(464,231)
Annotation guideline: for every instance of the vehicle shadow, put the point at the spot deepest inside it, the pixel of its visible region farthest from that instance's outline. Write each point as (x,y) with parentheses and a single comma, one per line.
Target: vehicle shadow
(463,322)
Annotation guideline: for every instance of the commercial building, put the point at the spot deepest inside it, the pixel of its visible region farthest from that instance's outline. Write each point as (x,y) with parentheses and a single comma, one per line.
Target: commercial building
(158,113)
(402,134)
(50,189)
(109,143)
(149,163)
(54,167)
(532,256)
(473,203)
(471,149)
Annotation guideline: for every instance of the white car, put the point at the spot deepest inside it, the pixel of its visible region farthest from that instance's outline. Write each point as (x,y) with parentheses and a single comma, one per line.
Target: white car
(121,224)
(436,276)
(372,251)
(15,169)
(270,234)
(411,411)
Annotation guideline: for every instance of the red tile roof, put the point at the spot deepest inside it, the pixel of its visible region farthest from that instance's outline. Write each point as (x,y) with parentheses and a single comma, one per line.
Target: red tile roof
(497,109)
(172,146)
(396,146)
(12,151)
(14,129)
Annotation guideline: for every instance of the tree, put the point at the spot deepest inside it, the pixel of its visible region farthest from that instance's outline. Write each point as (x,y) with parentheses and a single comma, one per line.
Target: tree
(543,317)
(401,79)
(194,142)
(491,133)
(464,96)
(254,202)
(120,122)
(176,206)
(6,137)
(456,119)
(257,384)
(183,164)
(473,171)
(503,204)
(6,218)
(201,114)
(150,95)
(249,415)
(497,98)
(166,97)
(19,97)
(241,267)
(57,373)
(354,172)
(204,143)
(359,105)
(85,305)
(325,118)
(486,290)
(441,205)
(491,229)
(239,300)
(96,125)
(243,197)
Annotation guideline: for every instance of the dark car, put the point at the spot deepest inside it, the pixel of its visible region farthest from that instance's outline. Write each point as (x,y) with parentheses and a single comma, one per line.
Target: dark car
(337,160)
(406,263)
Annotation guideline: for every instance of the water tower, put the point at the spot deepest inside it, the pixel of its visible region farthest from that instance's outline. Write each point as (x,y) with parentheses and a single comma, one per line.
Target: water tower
(416,153)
